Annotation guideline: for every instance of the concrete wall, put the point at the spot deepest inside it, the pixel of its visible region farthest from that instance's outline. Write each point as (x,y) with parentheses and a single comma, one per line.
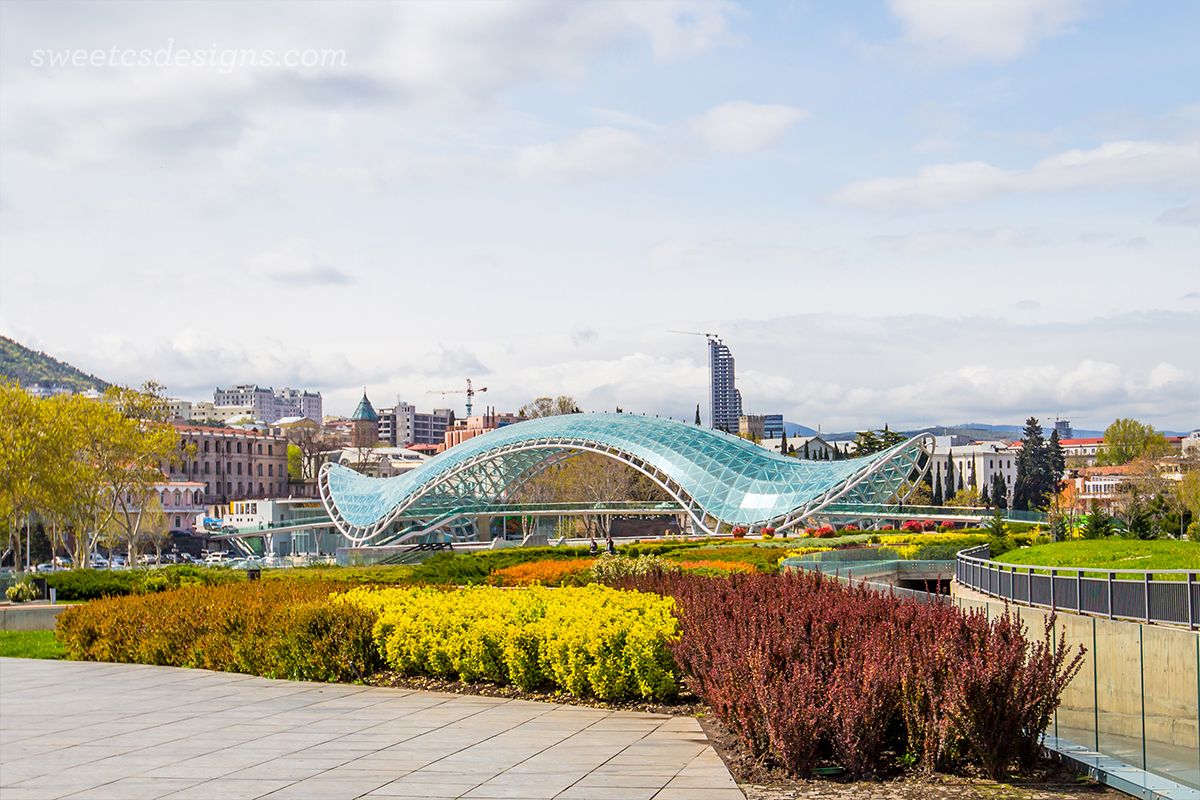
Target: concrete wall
(1135,679)
(24,617)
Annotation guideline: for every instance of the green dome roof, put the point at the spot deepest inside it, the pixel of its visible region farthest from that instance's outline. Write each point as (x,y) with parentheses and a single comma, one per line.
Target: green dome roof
(365,411)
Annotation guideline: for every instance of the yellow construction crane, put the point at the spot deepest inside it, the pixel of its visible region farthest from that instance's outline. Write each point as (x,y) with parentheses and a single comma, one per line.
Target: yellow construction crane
(469,392)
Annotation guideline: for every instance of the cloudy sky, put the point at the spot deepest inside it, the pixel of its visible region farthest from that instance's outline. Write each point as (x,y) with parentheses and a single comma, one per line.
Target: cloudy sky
(902,211)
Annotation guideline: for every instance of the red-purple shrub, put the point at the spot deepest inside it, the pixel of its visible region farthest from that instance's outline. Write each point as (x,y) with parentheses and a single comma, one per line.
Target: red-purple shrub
(912,526)
(805,671)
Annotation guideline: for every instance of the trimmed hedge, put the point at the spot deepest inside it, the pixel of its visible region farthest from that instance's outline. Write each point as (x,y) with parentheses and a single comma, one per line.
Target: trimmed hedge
(90,584)
(276,629)
(592,641)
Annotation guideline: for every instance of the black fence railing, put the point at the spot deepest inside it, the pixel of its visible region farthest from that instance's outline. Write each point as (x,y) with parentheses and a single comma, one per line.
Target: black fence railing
(1170,595)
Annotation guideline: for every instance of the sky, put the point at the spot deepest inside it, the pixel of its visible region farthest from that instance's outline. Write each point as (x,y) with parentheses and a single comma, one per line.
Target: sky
(904,211)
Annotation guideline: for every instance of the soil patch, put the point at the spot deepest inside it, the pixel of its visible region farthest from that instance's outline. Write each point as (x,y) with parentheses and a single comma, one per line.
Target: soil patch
(763,781)
(685,705)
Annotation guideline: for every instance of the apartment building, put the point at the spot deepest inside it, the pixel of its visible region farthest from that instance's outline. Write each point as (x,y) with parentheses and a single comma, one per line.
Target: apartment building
(266,404)
(232,464)
(402,424)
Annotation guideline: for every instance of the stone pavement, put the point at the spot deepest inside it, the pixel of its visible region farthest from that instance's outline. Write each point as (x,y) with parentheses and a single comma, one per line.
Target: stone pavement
(128,732)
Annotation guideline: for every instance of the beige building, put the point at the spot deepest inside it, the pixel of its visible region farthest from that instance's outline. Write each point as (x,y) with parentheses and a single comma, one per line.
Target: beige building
(751,426)
(231,463)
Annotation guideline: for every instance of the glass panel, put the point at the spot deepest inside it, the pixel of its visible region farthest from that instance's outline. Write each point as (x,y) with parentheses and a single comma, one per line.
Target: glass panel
(1119,695)
(1076,717)
(1172,742)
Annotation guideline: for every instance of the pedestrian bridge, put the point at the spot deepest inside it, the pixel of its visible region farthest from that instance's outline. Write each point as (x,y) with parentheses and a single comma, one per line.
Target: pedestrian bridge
(717,480)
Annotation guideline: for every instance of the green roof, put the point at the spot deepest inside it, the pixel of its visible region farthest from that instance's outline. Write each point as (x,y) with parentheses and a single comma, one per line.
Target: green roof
(365,411)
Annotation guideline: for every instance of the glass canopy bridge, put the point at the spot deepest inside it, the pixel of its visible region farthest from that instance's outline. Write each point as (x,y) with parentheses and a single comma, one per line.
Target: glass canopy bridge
(714,480)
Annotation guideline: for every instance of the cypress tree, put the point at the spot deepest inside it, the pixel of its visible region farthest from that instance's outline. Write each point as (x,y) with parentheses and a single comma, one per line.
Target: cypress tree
(783,445)
(806,454)
(985,498)
(697,413)
(999,491)
(949,474)
(937,485)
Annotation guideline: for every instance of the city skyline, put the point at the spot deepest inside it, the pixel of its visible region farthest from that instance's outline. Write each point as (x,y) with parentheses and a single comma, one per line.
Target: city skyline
(890,213)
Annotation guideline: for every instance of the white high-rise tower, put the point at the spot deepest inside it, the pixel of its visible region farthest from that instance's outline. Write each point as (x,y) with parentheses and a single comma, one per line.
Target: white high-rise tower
(725,401)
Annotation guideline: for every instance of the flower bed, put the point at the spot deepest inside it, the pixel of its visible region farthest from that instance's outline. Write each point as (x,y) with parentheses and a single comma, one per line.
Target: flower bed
(806,672)
(711,567)
(592,641)
(545,573)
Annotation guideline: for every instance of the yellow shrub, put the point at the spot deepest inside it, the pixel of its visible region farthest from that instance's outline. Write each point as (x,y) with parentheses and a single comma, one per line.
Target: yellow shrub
(590,641)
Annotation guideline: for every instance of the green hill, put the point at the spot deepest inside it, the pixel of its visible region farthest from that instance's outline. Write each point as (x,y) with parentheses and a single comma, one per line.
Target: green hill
(30,367)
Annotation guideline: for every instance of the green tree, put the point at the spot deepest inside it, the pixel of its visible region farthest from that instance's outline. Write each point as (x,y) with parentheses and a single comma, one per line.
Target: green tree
(1036,481)
(295,462)
(999,491)
(937,485)
(697,413)
(783,443)
(1099,524)
(949,488)
(1139,522)
(1126,440)
(1058,459)
(967,497)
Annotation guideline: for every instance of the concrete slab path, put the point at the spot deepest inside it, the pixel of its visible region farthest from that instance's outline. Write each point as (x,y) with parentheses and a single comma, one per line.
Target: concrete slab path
(92,731)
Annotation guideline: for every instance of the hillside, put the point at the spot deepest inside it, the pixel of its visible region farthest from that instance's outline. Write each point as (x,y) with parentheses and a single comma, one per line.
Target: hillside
(30,367)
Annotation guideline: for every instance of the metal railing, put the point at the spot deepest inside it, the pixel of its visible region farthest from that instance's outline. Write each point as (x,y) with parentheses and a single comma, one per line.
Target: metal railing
(1167,595)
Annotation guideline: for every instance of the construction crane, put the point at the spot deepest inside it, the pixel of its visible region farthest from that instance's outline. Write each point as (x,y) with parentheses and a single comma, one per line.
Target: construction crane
(697,333)
(469,392)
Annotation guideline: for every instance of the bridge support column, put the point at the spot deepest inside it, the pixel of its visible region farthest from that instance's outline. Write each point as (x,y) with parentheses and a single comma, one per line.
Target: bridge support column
(483,527)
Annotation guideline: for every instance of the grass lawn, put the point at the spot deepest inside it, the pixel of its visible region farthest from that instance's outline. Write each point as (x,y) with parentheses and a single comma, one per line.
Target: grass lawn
(1110,554)
(30,644)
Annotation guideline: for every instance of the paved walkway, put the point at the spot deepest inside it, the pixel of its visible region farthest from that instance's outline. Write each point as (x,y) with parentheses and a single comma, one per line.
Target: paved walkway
(128,732)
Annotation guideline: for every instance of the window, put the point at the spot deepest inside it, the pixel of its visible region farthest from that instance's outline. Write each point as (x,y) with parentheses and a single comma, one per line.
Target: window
(239,468)
(206,444)
(270,450)
(260,489)
(260,470)
(270,470)
(218,467)
(260,448)
(239,447)
(207,467)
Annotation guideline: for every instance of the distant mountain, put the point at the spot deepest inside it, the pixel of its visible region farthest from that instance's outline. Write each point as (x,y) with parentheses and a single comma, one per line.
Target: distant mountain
(795,429)
(29,367)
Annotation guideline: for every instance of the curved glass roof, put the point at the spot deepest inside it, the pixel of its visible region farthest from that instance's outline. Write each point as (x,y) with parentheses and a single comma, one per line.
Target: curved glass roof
(715,476)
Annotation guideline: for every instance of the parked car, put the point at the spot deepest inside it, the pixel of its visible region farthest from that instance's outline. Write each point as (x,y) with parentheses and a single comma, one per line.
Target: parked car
(47,567)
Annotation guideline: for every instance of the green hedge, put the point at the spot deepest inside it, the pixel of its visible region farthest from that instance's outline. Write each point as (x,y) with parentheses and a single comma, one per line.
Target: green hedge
(90,584)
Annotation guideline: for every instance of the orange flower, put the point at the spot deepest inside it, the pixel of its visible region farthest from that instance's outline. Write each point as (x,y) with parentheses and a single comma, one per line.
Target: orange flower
(547,573)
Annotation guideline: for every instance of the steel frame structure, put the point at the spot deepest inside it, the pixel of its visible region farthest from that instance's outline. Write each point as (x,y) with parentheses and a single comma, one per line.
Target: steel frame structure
(716,479)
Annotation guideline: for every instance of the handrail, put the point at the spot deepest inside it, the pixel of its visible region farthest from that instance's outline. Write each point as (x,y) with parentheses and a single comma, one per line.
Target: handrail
(1078,590)
(962,554)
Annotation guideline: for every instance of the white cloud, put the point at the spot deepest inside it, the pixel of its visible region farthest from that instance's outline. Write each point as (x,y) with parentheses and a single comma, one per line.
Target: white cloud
(1110,165)
(941,240)
(1188,215)
(742,127)
(590,153)
(682,255)
(988,30)
(293,263)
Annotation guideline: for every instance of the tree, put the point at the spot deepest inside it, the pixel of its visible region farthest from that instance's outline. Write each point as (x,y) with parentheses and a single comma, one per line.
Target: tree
(1058,460)
(783,443)
(984,498)
(949,491)
(999,491)
(965,498)
(1127,439)
(1036,478)
(1099,524)
(156,529)
(937,486)
(295,462)
(1139,524)
(697,413)
(549,407)
(1188,492)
